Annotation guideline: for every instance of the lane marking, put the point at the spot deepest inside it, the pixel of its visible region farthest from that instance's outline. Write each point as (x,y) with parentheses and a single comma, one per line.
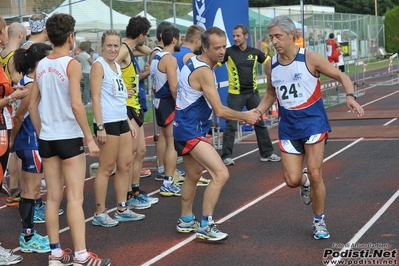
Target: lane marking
(367,226)
(238,211)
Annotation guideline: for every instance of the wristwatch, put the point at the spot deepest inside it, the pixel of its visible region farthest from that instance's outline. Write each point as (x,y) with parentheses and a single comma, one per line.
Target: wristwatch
(351,94)
(10,100)
(100,127)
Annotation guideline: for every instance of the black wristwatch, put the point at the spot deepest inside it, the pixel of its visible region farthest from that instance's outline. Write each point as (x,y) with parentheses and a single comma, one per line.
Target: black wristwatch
(351,94)
(100,127)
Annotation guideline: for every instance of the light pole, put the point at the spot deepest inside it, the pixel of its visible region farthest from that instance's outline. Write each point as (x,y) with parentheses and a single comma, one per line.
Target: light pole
(375,8)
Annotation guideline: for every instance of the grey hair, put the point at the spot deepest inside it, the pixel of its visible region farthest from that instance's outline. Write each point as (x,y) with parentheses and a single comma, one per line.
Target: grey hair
(283,22)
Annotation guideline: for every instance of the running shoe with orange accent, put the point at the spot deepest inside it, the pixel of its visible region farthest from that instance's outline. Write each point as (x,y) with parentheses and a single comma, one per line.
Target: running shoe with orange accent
(92,259)
(145,172)
(65,259)
(13,200)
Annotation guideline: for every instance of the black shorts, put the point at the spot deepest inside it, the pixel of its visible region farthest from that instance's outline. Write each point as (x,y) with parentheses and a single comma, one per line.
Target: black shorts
(185,147)
(165,113)
(114,128)
(138,117)
(65,149)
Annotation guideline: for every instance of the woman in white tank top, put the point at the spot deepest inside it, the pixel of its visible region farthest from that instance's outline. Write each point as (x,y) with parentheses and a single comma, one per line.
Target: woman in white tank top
(114,132)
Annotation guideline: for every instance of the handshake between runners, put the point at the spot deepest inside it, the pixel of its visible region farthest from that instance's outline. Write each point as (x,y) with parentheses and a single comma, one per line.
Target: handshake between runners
(252,117)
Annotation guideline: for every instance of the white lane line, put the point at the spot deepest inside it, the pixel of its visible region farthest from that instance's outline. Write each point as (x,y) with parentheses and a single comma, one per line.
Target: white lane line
(238,211)
(367,226)
(390,122)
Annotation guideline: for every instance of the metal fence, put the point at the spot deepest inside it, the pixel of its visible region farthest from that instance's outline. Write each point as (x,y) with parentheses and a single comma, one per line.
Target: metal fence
(359,35)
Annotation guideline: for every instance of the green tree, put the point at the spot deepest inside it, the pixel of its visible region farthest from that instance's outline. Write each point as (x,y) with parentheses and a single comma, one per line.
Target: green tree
(392,30)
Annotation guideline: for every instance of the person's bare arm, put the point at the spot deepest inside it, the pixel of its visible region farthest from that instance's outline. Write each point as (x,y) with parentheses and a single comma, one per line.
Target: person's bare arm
(33,107)
(19,116)
(96,77)
(317,63)
(74,74)
(142,50)
(270,97)
(203,79)
(169,64)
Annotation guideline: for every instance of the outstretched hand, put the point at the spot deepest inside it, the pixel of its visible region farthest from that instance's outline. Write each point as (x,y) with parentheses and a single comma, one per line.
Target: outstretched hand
(252,117)
(355,107)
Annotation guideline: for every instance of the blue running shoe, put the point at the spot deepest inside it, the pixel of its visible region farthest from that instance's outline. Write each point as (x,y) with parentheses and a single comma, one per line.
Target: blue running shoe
(38,217)
(172,190)
(320,229)
(38,244)
(138,203)
(104,220)
(151,200)
(210,232)
(127,216)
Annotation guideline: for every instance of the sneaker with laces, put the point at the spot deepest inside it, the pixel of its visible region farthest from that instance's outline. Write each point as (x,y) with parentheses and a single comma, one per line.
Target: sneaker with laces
(171,190)
(202,182)
(305,191)
(320,229)
(228,161)
(65,259)
(271,158)
(161,175)
(38,244)
(138,203)
(8,258)
(104,220)
(5,251)
(92,259)
(211,232)
(38,217)
(127,216)
(183,227)
(144,195)
(145,173)
(13,200)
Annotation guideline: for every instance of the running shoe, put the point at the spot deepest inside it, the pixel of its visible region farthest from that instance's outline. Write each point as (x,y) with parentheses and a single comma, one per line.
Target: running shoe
(92,259)
(38,244)
(228,161)
(138,203)
(4,251)
(305,191)
(211,232)
(320,229)
(144,195)
(104,220)
(271,158)
(171,190)
(161,175)
(127,216)
(145,173)
(7,258)
(183,227)
(38,217)
(202,182)
(65,259)
(13,200)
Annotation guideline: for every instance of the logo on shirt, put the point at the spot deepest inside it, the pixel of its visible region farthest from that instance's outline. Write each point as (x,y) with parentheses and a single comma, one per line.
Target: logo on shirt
(297,76)
(250,57)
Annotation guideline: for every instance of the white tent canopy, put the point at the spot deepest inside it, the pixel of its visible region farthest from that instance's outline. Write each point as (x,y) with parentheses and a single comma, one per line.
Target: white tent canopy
(150,18)
(92,15)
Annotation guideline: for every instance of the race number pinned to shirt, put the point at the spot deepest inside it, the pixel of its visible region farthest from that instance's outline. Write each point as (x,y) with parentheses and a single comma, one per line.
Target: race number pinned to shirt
(291,94)
(119,88)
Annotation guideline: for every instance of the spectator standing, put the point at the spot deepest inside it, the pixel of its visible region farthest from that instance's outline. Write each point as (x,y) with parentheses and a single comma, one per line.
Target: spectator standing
(241,62)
